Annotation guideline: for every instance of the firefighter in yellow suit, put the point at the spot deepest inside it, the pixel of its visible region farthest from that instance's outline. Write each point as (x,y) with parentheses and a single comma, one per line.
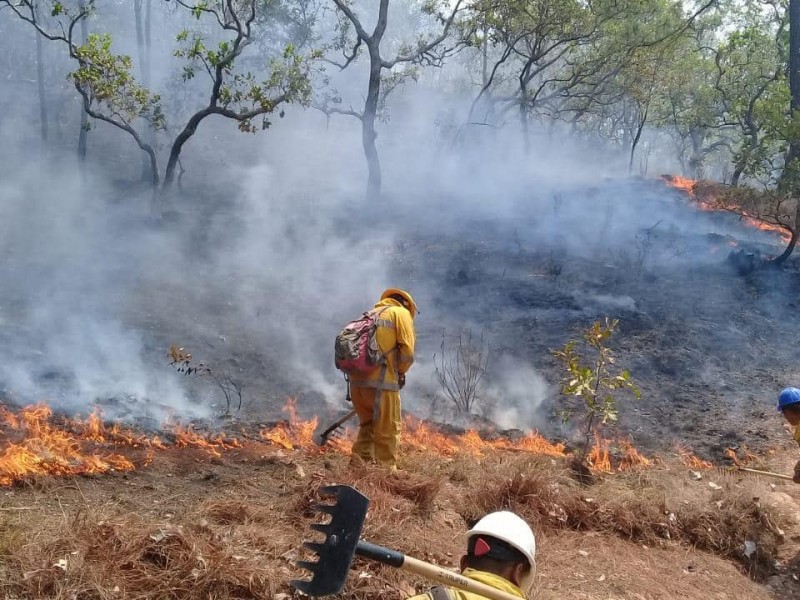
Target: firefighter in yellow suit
(376,397)
(501,550)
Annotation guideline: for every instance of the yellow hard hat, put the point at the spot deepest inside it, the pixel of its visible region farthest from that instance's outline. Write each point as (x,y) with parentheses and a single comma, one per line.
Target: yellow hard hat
(411,305)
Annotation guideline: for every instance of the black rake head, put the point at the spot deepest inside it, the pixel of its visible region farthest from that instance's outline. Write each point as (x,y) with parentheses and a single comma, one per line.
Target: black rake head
(335,431)
(335,553)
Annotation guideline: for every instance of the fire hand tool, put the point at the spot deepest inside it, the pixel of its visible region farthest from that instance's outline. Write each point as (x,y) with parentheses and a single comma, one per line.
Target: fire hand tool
(334,430)
(766,473)
(342,543)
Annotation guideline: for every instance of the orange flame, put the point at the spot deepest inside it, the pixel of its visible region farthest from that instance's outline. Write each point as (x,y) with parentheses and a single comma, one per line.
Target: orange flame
(631,458)
(186,437)
(292,434)
(599,457)
(422,437)
(36,445)
(712,203)
(47,450)
(419,436)
(740,462)
(681,183)
(690,460)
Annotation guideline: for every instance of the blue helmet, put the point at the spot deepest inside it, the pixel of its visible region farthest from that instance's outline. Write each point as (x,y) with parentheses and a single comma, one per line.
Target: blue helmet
(788,397)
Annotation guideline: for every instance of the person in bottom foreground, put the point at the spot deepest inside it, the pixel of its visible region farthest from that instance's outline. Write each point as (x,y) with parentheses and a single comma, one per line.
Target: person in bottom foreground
(500,553)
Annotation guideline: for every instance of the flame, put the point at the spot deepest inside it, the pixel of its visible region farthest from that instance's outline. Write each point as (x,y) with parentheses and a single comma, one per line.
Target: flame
(418,436)
(48,450)
(36,443)
(422,437)
(186,437)
(690,460)
(709,202)
(599,457)
(681,183)
(759,224)
(740,462)
(294,433)
(631,458)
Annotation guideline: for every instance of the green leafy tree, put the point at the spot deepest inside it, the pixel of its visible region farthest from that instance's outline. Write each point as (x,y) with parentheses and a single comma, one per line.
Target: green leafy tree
(111,93)
(754,97)
(531,44)
(625,74)
(102,79)
(692,109)
(386,73)
(590,384)
(238,95)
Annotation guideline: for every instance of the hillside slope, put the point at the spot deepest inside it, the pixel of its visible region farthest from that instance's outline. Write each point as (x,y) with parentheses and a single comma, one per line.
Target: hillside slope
(194,525)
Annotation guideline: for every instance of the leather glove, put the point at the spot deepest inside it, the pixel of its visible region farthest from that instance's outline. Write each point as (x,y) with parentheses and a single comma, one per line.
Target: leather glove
(401,382)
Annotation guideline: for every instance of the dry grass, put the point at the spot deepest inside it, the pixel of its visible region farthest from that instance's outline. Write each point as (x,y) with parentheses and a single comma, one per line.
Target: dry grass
(238,537)
(650,507)
(96,559)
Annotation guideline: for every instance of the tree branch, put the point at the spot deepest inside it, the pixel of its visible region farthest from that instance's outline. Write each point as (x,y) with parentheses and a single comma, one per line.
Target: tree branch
(351,16)
(426,48)
(348,58)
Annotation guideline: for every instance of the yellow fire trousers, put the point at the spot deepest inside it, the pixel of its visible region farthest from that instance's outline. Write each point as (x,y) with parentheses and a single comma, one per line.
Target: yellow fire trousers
(379,429)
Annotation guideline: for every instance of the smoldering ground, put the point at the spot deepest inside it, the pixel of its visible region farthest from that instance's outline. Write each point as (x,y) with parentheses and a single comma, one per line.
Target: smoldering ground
(269,248)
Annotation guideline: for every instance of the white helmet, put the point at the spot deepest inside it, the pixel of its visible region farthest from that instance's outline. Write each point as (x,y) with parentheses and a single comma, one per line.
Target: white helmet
(508,527)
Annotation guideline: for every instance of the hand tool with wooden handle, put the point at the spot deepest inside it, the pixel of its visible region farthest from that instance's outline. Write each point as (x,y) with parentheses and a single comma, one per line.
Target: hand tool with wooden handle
(342,543)
(334,430)
(766,473)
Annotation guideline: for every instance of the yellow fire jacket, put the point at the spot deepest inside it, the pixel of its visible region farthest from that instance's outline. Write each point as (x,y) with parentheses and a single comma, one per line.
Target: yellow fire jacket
(442,593)
(396,339)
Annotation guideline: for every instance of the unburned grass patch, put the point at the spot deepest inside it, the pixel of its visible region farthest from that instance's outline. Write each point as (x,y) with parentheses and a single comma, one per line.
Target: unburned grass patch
(242,541)
(649,507)
(128,557)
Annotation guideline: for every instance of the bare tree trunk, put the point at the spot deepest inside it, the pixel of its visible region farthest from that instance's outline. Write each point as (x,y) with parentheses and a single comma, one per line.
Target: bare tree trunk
(792,241)
(738,169)
(485,57)
(40,84)
(523,111)
(145,77)
(137,15)
(749,145)
(148,44)
(696,160)
(177,146)
(523,123)
(790,179)
(639,128)
(682,160)
(524,107)
(84,132)
(791,171)
(368,133)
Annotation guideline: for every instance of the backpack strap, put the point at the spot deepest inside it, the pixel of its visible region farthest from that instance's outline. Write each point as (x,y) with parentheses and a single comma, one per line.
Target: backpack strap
(383,322)
(381,384)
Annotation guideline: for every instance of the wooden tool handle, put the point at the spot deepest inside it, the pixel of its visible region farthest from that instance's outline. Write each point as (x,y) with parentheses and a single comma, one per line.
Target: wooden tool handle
(767,473)
(447,577)
(322,438)
(428,571)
